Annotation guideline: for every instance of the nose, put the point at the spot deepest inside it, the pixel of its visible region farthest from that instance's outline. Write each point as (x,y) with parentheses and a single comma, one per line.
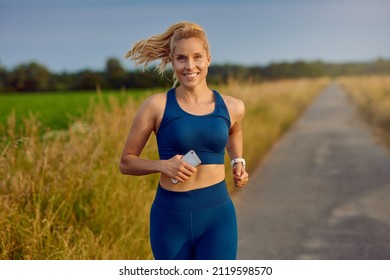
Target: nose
(190,63)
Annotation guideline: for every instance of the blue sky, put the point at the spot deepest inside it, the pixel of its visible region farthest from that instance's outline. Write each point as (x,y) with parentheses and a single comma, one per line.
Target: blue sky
(71,35)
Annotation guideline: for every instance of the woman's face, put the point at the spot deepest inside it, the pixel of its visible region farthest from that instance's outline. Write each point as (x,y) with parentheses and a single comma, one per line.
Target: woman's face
(190,62)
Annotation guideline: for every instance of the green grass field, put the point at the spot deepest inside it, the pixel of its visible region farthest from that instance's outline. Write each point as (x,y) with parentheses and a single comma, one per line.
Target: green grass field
(56,110)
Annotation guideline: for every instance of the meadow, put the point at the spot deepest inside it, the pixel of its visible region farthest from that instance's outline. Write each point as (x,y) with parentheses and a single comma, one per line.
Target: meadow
(63,196)
(371,94)
(55,110)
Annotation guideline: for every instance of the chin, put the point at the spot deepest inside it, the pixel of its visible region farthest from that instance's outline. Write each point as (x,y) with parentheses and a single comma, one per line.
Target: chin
(189,84)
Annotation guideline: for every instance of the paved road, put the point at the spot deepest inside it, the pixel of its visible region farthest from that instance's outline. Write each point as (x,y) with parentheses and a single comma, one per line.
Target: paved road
(323,192)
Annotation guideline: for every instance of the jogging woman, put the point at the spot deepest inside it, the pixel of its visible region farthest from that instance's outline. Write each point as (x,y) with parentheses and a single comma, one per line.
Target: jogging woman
(192,216)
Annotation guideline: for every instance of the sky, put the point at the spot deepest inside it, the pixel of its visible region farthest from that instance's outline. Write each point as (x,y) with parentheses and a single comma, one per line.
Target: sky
(73,35)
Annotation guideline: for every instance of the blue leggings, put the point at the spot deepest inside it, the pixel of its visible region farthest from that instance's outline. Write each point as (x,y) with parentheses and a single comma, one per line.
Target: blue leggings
(193,225)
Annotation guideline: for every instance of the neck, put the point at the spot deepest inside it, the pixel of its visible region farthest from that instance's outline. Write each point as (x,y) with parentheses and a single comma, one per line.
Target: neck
(193,94)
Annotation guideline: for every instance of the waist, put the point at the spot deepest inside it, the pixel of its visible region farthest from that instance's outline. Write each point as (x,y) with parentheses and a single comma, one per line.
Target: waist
(193,200)
(206,175)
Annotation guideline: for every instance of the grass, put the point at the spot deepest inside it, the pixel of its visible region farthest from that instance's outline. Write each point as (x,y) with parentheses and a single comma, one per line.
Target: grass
(371,94)
(64,198)
(54,110)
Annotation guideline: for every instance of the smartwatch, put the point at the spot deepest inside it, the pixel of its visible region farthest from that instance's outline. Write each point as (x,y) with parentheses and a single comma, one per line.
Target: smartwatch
(236,160)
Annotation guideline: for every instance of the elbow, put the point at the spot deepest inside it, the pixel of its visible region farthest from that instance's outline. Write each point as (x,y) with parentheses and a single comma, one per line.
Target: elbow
(127,166)
(124,167)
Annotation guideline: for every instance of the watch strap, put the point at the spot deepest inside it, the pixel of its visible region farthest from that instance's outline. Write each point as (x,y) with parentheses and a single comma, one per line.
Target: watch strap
(236,160)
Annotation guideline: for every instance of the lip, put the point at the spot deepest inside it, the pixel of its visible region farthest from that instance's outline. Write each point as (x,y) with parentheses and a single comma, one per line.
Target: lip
(190,75)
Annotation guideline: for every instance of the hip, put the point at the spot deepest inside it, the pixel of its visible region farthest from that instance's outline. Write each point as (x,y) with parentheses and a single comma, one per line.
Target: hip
(194,200)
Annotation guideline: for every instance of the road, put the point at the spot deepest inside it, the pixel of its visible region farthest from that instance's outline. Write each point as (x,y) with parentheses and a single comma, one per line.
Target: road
(322,192)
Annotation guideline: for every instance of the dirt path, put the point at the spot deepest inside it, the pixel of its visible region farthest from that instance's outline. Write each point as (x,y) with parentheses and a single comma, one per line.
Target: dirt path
(323,192)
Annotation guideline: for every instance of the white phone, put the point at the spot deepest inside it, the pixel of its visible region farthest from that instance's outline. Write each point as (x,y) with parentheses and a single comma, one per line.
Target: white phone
(192,158)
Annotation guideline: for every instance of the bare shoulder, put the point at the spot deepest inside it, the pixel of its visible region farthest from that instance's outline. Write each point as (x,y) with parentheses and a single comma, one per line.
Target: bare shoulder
(154,104)
(149,115)
(235,106)
(156,100)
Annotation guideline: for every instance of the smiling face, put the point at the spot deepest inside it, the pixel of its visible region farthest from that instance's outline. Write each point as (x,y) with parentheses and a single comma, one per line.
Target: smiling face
(190,61)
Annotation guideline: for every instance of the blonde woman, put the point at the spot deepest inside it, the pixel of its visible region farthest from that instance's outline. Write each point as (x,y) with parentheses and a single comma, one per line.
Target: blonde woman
(192,216)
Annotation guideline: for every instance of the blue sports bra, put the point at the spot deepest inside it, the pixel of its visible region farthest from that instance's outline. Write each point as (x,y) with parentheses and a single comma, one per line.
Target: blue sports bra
(180,131)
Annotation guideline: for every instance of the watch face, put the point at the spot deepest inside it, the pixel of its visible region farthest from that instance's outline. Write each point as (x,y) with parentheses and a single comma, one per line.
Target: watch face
(236,160)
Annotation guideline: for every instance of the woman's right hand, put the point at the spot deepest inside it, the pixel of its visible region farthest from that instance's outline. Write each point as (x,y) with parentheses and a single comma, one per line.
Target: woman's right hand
(178,169)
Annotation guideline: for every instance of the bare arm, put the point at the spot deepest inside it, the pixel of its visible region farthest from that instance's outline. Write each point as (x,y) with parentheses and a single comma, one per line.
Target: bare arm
(145,122)
(235,142)
(142,126)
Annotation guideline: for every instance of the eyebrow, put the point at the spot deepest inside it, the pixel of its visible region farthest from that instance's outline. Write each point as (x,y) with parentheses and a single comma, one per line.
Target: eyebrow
(197,53)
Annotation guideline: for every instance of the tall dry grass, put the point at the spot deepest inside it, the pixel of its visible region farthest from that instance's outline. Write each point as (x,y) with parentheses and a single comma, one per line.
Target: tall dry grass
(372,97)
(62,196)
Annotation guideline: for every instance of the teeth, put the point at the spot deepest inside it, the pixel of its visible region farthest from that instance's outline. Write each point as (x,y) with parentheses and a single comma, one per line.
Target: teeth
(193,75)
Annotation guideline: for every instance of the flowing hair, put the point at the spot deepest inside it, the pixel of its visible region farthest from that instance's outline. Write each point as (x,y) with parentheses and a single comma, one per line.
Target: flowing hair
(162,46)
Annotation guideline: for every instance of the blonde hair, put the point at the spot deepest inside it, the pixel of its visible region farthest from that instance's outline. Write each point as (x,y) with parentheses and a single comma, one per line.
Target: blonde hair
(162,46)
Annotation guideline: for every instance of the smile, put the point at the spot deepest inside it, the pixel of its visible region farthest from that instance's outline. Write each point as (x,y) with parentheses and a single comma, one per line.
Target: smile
(191,75)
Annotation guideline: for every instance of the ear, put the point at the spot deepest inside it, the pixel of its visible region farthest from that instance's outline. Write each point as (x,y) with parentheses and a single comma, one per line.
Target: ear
(208,60)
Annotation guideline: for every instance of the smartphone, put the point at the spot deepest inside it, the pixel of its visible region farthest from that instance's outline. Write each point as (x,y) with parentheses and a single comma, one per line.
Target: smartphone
(192,158)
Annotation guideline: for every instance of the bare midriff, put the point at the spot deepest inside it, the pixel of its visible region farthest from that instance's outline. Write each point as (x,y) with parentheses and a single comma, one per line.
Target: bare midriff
(206,175)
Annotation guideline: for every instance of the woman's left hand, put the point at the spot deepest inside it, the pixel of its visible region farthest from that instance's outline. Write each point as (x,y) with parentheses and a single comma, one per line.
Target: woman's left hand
(240,176)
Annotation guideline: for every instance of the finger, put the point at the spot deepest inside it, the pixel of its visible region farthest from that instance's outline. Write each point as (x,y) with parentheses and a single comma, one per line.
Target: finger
(237,170)
(185,173)
(239,184)
(181,177)
(242,180)
(189,167)
(244,175)
(176,159)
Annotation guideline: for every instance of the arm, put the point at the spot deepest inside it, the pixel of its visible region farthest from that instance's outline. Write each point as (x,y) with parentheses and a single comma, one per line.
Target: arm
(235,142)
(146,120)
(142,126)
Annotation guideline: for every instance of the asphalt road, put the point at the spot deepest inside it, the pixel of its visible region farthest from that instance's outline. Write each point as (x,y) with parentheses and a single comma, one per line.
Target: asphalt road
(323,191)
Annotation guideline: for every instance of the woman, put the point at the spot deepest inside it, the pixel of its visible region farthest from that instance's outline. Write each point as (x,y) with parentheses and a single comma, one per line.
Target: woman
(193,218)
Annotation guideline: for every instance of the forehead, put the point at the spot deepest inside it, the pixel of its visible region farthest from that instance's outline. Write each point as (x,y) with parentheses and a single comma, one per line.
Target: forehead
(190,45)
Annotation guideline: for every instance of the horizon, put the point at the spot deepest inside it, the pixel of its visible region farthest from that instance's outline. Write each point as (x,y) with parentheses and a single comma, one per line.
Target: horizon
(152,68)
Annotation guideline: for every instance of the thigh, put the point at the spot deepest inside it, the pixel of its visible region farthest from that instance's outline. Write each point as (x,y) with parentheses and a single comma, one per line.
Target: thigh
(170,235)
(219,239)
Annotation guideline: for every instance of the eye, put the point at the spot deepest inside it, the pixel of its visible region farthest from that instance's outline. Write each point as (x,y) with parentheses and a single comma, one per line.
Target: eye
(181,57)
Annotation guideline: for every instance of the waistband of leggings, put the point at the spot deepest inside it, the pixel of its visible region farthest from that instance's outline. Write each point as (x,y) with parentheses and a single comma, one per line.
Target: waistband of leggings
(193,200)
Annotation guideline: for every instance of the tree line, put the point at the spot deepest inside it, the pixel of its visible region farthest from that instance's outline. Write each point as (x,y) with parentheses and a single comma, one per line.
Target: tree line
(36,77)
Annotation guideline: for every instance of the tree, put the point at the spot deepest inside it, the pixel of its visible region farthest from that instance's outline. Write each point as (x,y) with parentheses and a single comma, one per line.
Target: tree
(115,74)
(3,78)
(29,77)
(86,79)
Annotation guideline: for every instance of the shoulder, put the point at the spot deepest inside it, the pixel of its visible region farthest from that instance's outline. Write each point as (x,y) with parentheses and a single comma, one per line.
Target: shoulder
(155,99)
(152,108)
(155,102)
(236,106)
